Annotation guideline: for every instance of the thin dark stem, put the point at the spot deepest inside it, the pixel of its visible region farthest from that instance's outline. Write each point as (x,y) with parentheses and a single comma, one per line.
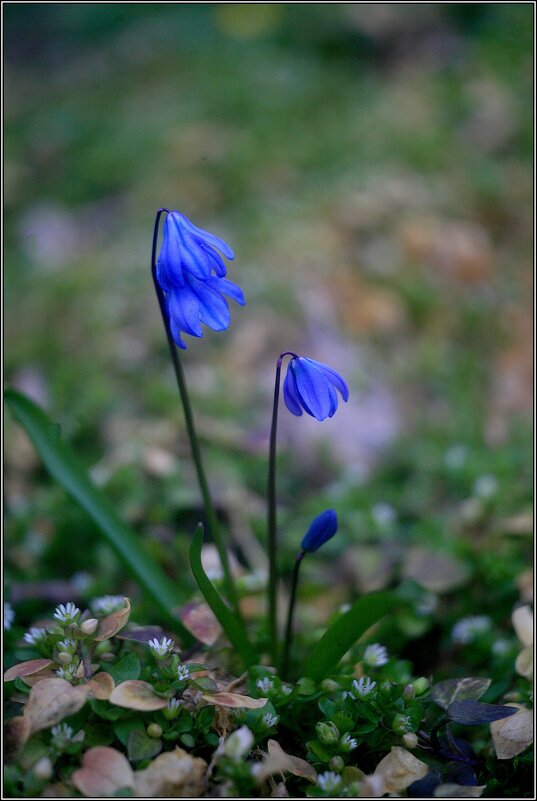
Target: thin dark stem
(290,613)
(191,430)
(271,517)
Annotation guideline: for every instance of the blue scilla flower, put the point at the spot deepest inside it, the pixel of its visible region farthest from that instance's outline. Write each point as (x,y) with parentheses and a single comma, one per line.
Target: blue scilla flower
(322,528)
(192,273)
(311,386)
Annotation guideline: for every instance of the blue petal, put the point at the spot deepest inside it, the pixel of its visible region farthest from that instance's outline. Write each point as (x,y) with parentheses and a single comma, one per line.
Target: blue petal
(227,288)
(312,387)
(290,394)
(193,258)
(169,264)
(184,310)
(334,378)
(210,239)
(213,309)
(215,259)
(321,529)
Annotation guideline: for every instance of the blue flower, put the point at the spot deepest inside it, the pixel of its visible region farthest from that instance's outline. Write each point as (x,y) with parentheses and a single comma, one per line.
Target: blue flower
(191,273)
(322,528)
(311,386)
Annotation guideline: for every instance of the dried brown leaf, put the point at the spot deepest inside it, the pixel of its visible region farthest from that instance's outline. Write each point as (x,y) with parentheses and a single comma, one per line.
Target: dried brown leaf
(51,701)
(295,765)
(104,772)
(399,769)
(235,701)
(16,732)
(136,694)
(27,668)
(175,774)
(101,686)
(113,623)
(512,735)
(200,621)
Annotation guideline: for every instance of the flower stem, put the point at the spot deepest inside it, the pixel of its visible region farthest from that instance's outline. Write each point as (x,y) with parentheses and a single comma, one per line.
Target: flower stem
(272,543)
(290,613)
(212,519)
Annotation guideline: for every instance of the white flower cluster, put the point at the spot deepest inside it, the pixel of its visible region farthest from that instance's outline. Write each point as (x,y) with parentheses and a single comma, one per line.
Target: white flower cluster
(376,655)
(363,686)
(468,629)
(9,616)
(162,648)
(183,672)
(265,685)
(67,613)
(107,604)
(328,781)
(270,720)
(35,635)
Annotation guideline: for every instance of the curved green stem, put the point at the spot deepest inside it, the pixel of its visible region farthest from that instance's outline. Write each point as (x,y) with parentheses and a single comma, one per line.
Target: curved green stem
(191,430)
(290,613)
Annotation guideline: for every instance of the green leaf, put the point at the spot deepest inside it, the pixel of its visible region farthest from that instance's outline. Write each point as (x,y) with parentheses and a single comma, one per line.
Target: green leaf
(64,466)
(127,668)
(124,728)
(232,628)
(141,746)
(335,642)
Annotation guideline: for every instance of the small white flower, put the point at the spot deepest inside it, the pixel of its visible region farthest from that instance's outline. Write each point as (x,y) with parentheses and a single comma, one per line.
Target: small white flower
(62,730)
(35,635)
(238,743)
(183,672)
(383,514)
(67,613)
(9,616)
(286,689)
(348,743)
(328,781)
(68,645)
(265,685)
(485,487)
(363,686)
(270,720)
(455,457)
(376,655)
(107,604)
(161,648)
(426,605)
(468,629)
(172,708)
(66,673)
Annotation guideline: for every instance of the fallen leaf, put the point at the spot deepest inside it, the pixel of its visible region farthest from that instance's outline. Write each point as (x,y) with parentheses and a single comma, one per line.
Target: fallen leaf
(399,769)
(295,765)
(101,686)
(468,689)
(136,694)
(200,621)
(524,663)
(175,774)
(51,701)
(522,619)
(27,668)
(104,772)
(16,732)
(113,623)
(235,701)
(512,735)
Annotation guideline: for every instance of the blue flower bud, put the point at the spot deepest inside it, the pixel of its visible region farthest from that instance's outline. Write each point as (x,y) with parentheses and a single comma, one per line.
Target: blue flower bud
(320,531)
(190,271)
(311,386)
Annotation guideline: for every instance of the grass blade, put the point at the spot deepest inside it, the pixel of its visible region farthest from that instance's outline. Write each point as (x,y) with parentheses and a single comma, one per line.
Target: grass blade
(335,642)
(233,629)
(64,466)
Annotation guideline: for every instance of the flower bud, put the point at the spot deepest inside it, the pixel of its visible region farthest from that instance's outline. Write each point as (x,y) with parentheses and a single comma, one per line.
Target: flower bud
(336,764)
(154,730)
(42,769)
(421,685)
(410,740)
(238,743)
(330,686)
(401,724)
(89,626)
(328,733)
(408,692)
(322,528)
(65,658)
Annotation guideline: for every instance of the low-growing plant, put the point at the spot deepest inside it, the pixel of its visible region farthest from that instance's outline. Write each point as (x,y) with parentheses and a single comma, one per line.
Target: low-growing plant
(101,706)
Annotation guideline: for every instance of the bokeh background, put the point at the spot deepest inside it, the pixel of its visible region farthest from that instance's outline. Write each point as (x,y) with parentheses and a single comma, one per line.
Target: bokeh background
(371,166)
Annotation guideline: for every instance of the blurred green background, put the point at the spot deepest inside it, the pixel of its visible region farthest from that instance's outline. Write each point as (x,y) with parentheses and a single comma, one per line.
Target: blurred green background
(371,166)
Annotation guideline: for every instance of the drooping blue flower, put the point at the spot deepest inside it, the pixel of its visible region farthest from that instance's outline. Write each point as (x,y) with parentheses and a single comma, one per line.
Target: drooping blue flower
(322,528)
(191,273)
(311,386)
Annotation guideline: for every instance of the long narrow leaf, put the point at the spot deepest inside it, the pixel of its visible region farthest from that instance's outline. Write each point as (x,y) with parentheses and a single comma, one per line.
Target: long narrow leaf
(335,642)
(232,628)
(64,466)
